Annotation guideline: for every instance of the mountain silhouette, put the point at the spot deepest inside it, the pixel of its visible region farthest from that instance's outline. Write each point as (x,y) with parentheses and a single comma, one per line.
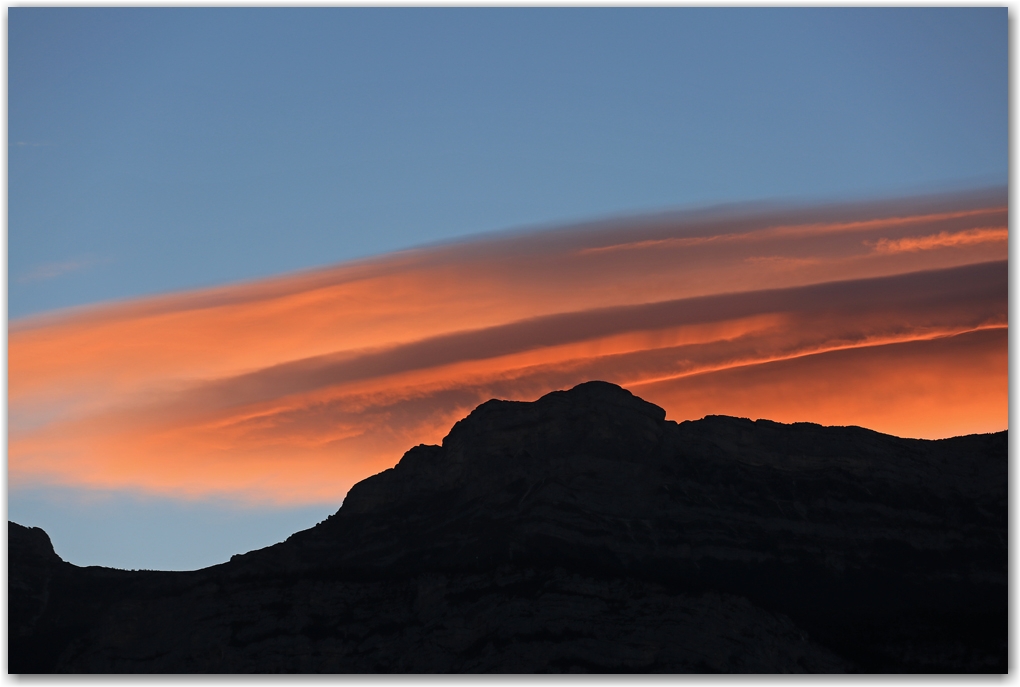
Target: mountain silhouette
(582,532)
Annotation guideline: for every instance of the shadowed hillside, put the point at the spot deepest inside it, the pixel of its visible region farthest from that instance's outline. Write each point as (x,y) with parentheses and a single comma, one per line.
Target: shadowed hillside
(581,532)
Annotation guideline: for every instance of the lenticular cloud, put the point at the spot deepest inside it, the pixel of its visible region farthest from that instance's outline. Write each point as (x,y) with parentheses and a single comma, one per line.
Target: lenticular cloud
(889,315)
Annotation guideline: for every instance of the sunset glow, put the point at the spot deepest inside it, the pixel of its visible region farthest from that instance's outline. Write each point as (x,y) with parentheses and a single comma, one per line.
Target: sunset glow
(889,316)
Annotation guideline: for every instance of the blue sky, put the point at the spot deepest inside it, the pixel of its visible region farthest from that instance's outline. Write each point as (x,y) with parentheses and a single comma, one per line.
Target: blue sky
(155,150)
(165,149)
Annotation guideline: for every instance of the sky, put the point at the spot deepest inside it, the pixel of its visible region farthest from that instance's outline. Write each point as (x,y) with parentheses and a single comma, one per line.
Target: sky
(255,255)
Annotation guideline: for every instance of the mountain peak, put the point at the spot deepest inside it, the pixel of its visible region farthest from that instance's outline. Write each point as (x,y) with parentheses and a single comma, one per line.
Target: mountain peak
(607,394)
(503,441)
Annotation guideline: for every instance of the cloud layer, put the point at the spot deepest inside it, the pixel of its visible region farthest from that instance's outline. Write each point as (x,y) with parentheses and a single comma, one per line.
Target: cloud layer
(889,315)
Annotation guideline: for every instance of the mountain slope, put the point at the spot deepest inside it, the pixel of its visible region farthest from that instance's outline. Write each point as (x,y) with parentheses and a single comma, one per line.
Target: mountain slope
(580,532)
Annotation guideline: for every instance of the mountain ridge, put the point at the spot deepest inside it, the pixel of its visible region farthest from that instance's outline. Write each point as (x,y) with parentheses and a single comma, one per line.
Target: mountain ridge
(581,531)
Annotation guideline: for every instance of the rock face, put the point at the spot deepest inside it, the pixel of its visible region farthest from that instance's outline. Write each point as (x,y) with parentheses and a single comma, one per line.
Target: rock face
(581,532)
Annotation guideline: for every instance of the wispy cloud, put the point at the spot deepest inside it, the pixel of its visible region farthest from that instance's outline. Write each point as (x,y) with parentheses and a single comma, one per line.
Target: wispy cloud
(30,144)
(54,270)
(805,229)
(943,239)
(292,389)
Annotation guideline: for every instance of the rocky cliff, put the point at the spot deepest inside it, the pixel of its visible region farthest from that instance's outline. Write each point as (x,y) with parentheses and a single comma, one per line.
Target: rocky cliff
(581,532)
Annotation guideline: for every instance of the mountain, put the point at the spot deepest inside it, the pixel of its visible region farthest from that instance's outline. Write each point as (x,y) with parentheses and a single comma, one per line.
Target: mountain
(580,532)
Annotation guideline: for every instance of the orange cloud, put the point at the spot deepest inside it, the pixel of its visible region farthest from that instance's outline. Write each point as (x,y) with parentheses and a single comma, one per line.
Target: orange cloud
(938,387)
(292,389)
(943,239)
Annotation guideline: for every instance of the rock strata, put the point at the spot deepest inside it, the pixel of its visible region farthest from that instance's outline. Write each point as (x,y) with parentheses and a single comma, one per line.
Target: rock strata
(582,532)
